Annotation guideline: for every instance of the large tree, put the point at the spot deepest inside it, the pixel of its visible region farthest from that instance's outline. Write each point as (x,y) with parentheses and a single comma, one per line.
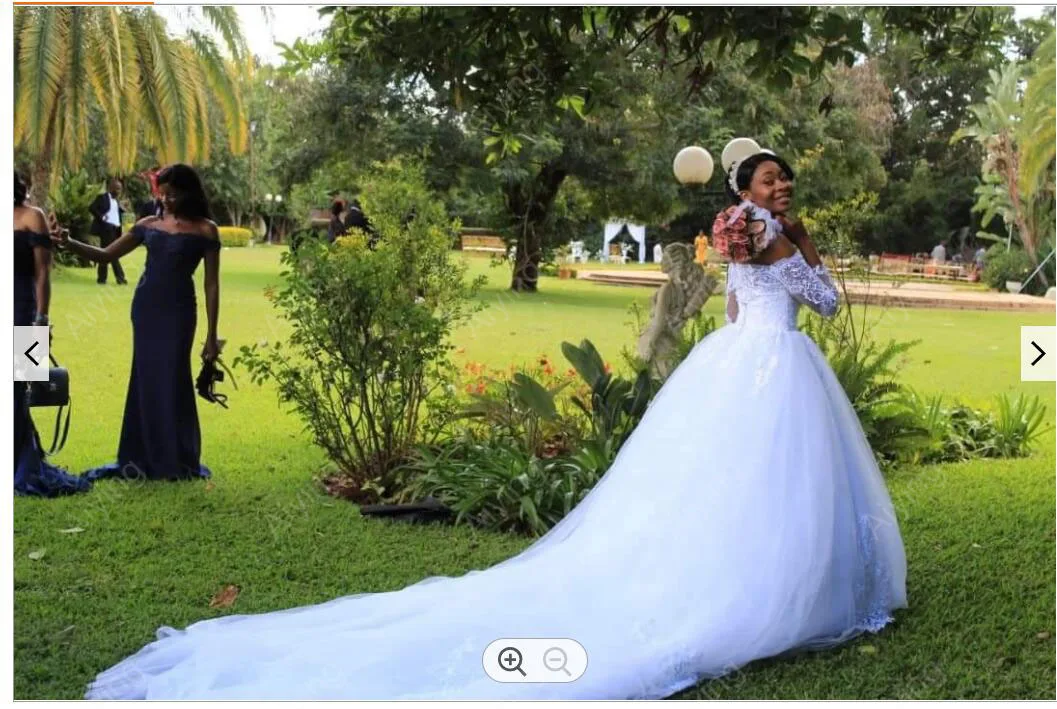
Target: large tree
(121,63)
(524,76)
(936,73)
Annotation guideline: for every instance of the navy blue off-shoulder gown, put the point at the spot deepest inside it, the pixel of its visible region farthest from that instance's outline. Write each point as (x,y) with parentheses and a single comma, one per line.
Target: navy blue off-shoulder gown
(160,434)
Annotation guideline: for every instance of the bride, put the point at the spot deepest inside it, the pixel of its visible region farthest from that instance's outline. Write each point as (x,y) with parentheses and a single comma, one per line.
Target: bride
(744,518)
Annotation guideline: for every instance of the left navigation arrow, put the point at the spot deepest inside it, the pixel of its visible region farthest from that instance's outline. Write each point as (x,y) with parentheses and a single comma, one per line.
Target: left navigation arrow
(29,356)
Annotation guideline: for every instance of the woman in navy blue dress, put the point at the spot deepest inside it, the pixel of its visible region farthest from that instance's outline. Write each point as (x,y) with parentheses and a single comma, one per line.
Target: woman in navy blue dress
(33,474)
(160,435)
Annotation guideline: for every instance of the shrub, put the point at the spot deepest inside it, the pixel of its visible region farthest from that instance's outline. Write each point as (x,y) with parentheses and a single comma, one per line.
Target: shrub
(370,333)
(525,407)
(1018,423)
(70,199)
(1001,266)
(867,372)
(494,484)
(234,236)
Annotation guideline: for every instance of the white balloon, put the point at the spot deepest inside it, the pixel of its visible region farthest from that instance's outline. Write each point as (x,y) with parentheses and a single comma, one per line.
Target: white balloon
(737,150)
(693,165)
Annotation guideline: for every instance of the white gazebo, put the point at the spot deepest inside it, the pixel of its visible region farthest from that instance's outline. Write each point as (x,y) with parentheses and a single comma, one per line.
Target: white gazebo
(637,231)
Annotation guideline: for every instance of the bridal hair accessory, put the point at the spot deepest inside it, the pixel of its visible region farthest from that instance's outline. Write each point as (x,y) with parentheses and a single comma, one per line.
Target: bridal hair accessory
(741,232)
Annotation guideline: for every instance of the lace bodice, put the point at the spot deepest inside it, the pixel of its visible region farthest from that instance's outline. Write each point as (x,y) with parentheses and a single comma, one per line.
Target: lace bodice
(770,295)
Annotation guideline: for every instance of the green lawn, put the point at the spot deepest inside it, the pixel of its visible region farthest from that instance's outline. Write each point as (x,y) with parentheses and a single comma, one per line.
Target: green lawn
(979,536)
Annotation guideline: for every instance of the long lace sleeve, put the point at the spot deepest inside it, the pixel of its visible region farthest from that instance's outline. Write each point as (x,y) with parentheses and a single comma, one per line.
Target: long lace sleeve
(808,286)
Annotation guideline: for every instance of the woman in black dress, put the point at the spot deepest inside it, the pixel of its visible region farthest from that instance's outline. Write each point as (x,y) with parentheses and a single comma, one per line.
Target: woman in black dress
(33,474)
(160,435)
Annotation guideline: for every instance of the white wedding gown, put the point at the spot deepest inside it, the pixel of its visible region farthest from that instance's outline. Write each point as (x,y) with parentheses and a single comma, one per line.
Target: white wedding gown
(745,517)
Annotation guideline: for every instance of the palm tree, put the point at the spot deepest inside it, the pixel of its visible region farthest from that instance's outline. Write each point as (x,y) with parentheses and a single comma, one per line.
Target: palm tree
(1036,134)
(999,126)
(151,89)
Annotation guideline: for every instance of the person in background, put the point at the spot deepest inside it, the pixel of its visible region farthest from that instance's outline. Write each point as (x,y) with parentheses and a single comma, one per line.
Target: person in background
(336,228)
(701,248)
(939,254)
(32,271)
(356,219)
(979,257)
(106,224)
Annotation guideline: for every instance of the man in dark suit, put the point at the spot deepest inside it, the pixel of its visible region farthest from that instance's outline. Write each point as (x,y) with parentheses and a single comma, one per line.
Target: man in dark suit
(356,219)
(106,224)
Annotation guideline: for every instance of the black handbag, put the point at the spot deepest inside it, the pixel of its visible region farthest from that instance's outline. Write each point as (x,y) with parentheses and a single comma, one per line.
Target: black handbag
(53,393)
(208,377)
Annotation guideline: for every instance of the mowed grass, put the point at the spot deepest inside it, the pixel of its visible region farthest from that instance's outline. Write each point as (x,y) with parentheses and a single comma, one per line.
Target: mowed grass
(979,536)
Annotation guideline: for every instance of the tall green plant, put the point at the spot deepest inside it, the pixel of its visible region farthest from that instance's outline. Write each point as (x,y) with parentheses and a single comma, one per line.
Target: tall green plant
(998,128)
(370,330)
(70,199)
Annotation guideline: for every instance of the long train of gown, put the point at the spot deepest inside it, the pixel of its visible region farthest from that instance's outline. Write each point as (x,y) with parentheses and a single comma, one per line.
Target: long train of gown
(745,517)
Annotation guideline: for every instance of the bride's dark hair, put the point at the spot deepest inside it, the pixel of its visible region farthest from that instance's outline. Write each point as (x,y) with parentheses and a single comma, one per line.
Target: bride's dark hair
(747,169)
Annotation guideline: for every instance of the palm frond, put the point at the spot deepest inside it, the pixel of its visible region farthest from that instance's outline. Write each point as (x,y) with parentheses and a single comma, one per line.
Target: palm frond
(224,89)
(225,20)
(75,98)
(1037,134)
(42,63)
(197,83)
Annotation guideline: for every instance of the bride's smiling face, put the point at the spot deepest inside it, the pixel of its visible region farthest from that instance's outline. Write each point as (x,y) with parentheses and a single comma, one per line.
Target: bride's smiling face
(771,188)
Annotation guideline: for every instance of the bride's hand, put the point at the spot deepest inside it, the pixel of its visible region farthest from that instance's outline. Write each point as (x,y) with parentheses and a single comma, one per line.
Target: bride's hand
(794,231)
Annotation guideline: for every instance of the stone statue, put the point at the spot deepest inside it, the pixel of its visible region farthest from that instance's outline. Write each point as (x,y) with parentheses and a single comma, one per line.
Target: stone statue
(681,297)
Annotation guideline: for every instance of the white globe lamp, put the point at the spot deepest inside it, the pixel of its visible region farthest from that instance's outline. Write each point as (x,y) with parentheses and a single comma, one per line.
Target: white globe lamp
(693,165)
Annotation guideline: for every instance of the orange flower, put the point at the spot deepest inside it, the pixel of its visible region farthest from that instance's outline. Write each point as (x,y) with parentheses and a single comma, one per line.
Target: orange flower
(469,388)
(608,368)
(548,370)
(571,372)
(480,387)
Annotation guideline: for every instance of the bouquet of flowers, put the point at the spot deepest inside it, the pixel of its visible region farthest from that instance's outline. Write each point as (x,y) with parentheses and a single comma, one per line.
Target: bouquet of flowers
(742,231)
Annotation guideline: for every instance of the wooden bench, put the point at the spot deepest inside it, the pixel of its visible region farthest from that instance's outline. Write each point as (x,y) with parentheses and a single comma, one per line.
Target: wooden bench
(482,240)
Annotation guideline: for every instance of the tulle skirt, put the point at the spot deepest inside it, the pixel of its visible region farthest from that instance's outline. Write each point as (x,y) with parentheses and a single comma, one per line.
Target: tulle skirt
(744,518)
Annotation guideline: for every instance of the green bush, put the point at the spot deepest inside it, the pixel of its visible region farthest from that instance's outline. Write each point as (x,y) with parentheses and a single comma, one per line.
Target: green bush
(533,460)
(370,333)
(234,236)
(1018,423)
(70,199)
(868,373)
(494,484)
(1001,266)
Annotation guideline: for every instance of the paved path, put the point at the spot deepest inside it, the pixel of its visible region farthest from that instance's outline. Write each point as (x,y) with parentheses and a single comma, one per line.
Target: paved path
(905,294)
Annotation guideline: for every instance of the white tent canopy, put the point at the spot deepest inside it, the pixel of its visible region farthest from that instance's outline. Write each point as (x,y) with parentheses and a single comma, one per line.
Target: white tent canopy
(637,231)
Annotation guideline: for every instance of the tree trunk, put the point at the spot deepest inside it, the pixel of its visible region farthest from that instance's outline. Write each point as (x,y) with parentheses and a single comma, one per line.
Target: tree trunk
(40,179)
(530,205)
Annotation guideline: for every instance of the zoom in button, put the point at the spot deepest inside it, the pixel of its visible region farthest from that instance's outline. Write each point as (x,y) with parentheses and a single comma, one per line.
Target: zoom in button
(535,660)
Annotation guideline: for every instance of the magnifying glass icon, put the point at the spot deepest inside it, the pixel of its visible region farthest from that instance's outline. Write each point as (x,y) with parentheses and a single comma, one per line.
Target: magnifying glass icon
(510,660)
(556,660)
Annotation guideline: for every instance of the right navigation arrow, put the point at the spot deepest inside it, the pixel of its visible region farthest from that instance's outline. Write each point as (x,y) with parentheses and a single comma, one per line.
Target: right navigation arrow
(1042,353)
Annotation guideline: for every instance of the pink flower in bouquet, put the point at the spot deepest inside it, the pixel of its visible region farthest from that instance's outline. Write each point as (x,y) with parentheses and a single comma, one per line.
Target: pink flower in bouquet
(736,237)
